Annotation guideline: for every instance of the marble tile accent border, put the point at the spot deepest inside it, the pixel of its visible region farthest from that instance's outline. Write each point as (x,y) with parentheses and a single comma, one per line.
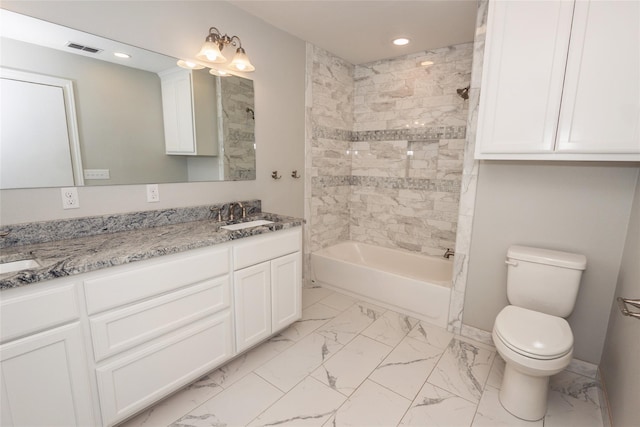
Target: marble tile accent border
(477,334)
(411,134)
(47,231)
(439,185)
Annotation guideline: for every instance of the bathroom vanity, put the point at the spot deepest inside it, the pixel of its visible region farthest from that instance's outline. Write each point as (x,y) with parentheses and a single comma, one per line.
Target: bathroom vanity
(95,348)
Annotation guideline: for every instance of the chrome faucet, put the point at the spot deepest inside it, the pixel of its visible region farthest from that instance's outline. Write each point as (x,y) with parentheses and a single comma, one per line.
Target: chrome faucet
(449,253)
(231,205)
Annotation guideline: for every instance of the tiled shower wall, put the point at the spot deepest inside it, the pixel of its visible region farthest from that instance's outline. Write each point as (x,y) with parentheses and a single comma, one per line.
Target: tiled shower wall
(385,149)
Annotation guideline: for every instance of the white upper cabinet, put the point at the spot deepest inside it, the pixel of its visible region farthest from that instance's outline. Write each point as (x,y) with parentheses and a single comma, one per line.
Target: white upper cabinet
(189,106)
(560,81)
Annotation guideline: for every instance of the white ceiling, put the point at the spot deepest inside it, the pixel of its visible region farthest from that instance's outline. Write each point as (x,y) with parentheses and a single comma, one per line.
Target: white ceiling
(361,31)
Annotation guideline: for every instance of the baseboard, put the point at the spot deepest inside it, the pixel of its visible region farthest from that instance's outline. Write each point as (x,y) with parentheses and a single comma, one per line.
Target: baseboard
(604,402)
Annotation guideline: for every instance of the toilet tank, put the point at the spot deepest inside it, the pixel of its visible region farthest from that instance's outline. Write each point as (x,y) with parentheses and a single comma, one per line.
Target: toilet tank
(544,280)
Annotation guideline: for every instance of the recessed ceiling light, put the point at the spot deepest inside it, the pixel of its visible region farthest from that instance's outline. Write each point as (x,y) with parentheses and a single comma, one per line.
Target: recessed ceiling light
(401,41)
(121,55)
(426,63)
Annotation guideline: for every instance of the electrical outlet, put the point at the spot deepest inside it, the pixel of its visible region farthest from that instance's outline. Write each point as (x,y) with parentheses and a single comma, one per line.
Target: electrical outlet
(70,198)
(153,194)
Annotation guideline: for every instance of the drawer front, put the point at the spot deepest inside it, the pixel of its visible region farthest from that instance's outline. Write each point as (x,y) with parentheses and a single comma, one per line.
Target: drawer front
(26,314)
(136,381)
(113,290)
(128,327)
(266,247)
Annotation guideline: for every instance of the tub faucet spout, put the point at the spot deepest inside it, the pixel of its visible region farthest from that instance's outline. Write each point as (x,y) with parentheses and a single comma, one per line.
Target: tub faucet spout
(449,253)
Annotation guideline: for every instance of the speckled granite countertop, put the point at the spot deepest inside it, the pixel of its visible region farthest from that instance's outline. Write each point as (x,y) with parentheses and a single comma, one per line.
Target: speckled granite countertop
(68,257)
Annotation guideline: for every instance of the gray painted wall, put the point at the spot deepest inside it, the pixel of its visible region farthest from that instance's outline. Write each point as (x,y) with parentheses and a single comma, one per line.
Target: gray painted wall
(619,368)
(575,207)
(177,29)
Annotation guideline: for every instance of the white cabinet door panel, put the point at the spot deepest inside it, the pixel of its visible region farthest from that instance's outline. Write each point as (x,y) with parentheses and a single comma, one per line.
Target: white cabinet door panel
(252,305)
(45,380)
(525,56)
(286,288)
(601,100)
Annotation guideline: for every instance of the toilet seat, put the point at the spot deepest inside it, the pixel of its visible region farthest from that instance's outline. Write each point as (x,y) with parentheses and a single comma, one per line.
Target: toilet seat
(533,334)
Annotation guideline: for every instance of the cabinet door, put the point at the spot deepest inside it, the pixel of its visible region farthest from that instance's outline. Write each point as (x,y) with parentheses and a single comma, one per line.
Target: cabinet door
(177,108)
(286,297)
(601,100)
(252,303)
(45,380)
(525,57)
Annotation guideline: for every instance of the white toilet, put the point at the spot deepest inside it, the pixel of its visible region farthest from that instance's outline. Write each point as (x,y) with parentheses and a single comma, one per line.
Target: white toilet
(531,334)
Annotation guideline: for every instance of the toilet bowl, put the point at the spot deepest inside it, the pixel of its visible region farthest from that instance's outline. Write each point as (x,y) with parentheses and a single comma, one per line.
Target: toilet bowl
(531,334)
(534,346)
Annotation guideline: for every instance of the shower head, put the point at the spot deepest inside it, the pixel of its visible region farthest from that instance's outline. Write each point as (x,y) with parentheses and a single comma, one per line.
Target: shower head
(463,93)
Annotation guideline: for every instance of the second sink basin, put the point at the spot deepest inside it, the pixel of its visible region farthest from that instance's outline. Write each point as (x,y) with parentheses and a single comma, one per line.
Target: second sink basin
(24,264)
(243,225)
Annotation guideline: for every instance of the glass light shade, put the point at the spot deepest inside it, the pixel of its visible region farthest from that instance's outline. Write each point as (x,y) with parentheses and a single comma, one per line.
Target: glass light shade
(211,52)
(189,65)
(241,62)
(219,73)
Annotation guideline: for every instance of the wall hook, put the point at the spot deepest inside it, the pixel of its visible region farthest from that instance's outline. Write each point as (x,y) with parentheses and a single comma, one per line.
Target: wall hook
(294,174)
(274,175)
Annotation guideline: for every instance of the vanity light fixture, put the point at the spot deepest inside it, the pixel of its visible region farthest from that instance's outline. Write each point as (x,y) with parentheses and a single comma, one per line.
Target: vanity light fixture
(212,51)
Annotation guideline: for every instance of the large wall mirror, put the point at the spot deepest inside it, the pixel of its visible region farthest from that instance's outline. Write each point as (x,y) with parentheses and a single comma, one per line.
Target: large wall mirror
(75,114)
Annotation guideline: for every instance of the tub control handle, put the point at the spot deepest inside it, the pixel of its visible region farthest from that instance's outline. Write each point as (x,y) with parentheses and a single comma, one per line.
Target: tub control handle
(512,263)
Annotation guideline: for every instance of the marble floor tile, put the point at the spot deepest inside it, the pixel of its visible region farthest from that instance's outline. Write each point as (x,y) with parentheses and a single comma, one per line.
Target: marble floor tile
(344,327)
(391,328)
(310,403)
(371,405)
(311,295)
(491,413)
(249,361)
(235,406)
(435,407)
(173,407)
(407,367)
(576,386)
(313,317)
(432,335)
(385,370)
(566,411)
(345,371)
(463,369)
(339,301)
(292,365)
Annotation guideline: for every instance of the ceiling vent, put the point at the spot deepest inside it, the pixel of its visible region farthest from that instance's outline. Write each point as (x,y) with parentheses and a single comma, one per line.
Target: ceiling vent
(83,48)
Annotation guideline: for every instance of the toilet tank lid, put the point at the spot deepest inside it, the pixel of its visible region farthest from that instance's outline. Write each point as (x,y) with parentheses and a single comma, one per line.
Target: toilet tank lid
(548,257)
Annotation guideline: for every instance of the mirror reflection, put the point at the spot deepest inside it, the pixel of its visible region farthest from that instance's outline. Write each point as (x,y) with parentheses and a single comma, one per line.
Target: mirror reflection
(73,114)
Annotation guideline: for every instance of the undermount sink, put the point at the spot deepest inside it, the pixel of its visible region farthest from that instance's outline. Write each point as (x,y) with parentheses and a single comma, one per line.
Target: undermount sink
(243,225)
(10,267)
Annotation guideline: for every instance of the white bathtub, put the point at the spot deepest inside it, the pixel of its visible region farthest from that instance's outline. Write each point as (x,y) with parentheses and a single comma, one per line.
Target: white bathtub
(414,284)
